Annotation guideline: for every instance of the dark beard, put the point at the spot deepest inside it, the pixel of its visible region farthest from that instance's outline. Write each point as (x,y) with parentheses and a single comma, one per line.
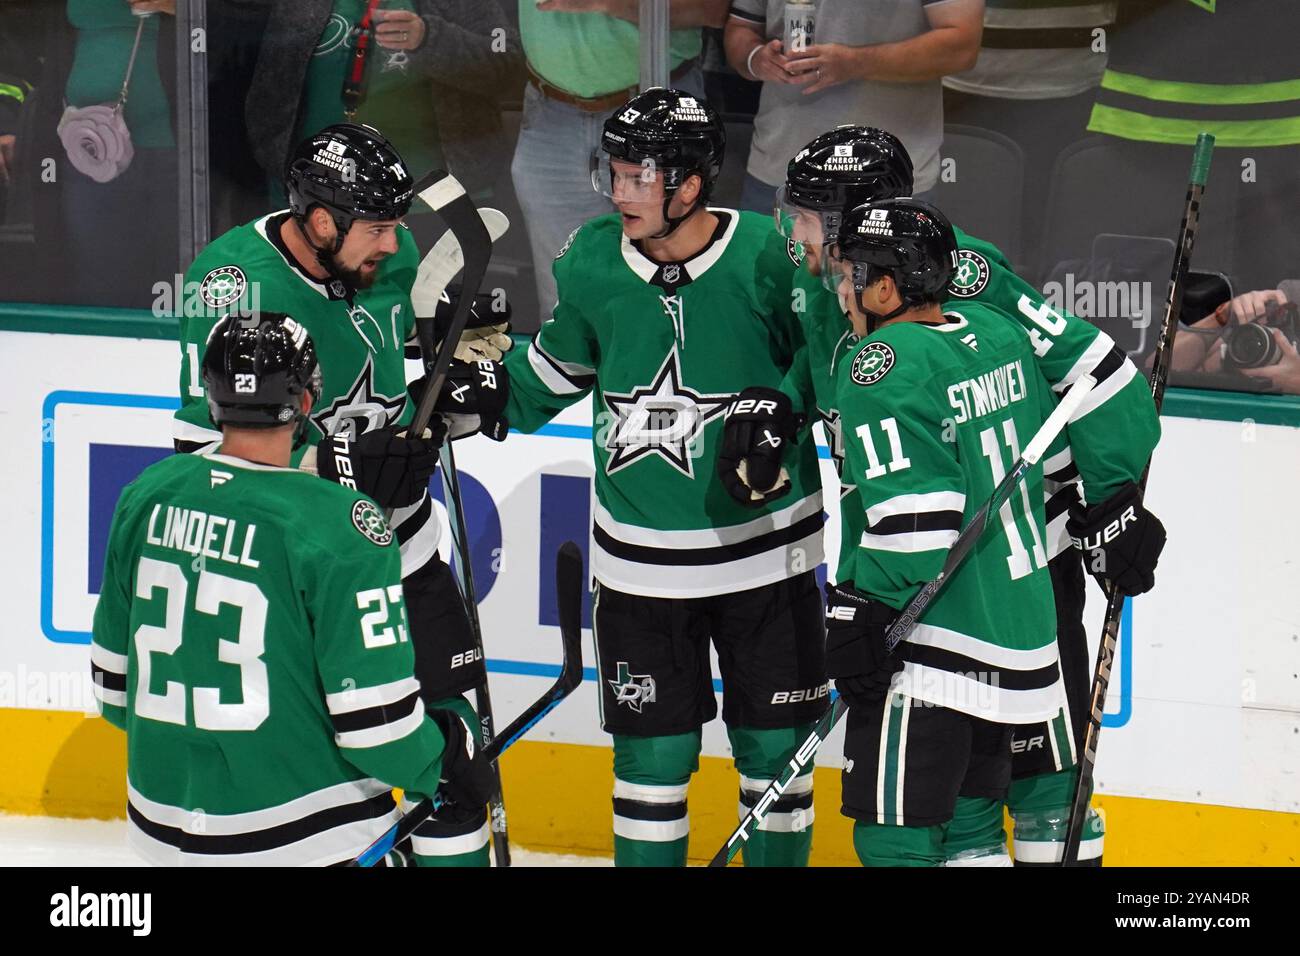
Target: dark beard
(354,278)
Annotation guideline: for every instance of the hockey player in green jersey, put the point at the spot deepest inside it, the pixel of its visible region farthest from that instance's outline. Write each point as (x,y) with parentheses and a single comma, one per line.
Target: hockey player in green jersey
(934,407)
(665,311)
(341,262)
(261,664)
(1111,439)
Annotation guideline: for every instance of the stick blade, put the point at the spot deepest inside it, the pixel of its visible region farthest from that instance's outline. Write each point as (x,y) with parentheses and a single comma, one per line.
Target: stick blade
(570,591)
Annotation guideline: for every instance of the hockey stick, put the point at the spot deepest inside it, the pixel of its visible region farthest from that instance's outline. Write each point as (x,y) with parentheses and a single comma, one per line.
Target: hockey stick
(447,197)
(907,618)
(440,265)
(1114,600)
(569,588)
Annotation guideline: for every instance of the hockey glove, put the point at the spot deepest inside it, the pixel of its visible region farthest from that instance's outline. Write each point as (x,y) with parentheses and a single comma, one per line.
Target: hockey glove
(473,399)
(466,778)
(1121,541)
(486,335)
(384,464)
(761,424)
(855,645)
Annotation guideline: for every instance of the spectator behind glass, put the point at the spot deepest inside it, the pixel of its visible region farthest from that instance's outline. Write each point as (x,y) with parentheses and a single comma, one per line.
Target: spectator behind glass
(583,62)
(432,84)
(874,62)
(101,269)
(1255,334)
(1039,65)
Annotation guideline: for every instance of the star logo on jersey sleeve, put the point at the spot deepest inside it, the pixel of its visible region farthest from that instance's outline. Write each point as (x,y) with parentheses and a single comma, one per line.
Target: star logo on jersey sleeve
(664,418)
(360,409)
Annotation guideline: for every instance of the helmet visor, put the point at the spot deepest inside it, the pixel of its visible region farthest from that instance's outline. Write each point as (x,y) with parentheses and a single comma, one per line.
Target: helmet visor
(626,181)
(846,276)
(803,224)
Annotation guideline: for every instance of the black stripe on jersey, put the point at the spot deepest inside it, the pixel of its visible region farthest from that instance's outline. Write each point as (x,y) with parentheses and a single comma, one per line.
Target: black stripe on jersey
(1005,678)
(109,680)
(1060,502)
(1063,475)
(643,554)
(786,804)
(1110,363)
(920,521)
(654,812)
(577,381)
(415,522)
(375,716)
(272,838)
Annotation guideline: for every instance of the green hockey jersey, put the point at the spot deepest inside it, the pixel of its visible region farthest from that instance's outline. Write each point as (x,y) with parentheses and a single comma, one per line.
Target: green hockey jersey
(259,664)
(932,417)
(359,345)
(1111,436)
(663,348)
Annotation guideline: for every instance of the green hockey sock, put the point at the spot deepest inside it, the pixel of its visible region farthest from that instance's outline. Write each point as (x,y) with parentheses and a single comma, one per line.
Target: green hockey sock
(651,774)
(784,837)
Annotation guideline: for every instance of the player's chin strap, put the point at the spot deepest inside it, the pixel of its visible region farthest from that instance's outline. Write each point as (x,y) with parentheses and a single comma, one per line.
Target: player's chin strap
(672,222)
(326,256)
(874,319)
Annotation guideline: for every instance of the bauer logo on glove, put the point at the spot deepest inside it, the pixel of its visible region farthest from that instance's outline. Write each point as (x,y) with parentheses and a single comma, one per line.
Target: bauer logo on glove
(760,425)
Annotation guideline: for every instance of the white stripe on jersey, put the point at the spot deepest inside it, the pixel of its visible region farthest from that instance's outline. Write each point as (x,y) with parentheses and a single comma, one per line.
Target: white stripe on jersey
(687,581)
(106,659)
(793,821)
(919,503)
(336,845)
(419,549)
(1104,391)
(363,698)
(548,368)
(980,698)
(1003,658)
(233,824)
(111,698)
(652,831)
(708,537)
(909,542)
(382,733)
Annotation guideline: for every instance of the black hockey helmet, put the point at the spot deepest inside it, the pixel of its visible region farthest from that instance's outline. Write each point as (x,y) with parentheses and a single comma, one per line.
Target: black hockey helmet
(353,172)
(906,239)
(670,134)
(255,370)
(841,169)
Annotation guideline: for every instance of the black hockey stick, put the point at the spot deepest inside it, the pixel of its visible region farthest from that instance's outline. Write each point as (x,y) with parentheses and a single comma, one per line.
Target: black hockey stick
(463,573)
(1114,600)
(570,591)
(447,197)
(908,617)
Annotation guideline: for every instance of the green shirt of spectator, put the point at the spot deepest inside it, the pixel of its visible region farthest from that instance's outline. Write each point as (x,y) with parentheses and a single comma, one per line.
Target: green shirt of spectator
(105,34)
(591,54)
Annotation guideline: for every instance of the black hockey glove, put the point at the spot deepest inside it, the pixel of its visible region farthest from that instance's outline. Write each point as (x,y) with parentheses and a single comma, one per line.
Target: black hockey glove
(473,399)
(384,463)
(486,335)
(1121,541)
(466,778)
(761,424)
(855,645)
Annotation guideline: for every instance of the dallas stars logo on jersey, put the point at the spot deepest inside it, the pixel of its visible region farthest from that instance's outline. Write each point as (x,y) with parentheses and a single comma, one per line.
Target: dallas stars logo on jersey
(971,276)
(664,418)
(360,409)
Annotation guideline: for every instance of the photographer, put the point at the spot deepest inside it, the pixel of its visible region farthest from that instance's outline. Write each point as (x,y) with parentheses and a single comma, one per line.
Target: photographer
(1253,334)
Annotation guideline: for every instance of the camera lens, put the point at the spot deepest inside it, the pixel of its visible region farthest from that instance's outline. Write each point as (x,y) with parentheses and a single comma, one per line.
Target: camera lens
(1250,346)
